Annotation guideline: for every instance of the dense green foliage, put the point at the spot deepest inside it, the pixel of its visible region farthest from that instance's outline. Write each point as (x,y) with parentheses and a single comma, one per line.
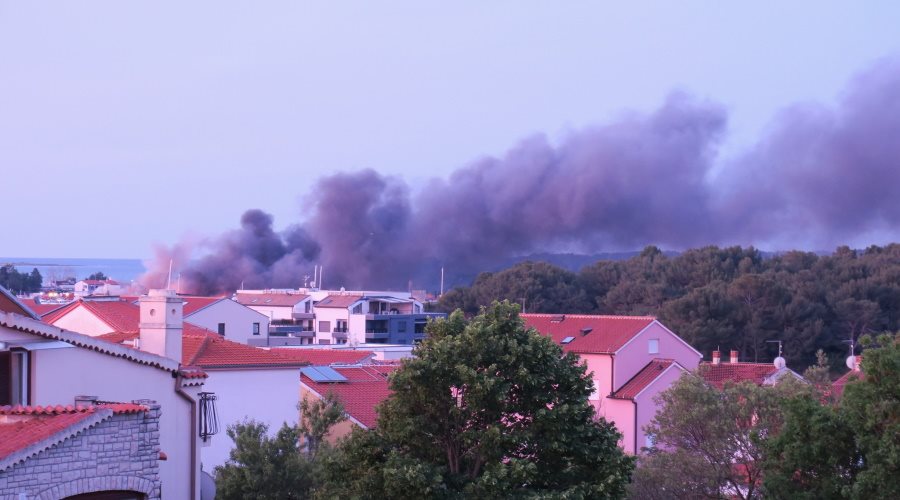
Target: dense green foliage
(732,298)
(848,450)
(710,442)
(486,409)
(97,276)
(793,440)
(262,467)
(13,280)
(317,416)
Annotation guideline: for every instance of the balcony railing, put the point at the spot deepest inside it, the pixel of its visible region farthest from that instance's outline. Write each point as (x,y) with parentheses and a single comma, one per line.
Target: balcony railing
(340,329)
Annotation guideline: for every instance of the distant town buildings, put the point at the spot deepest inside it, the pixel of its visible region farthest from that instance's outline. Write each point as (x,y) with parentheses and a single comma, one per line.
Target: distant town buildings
(329,317)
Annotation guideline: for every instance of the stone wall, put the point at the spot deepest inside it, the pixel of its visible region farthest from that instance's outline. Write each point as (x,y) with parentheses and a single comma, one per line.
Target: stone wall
(119,453)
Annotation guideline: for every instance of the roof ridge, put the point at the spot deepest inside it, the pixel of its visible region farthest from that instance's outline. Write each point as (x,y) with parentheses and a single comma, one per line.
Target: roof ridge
(199,351)
(586,316)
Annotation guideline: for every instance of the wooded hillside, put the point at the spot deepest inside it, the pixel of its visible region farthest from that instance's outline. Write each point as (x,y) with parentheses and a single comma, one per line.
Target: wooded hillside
(727,298)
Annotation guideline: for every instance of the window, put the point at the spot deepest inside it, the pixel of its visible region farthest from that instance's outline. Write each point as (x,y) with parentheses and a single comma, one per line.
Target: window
(324,341)
(650,441)
(222,329)
(325,326)
(14,378)
(307,307)
(255,328)
(653,346)
(357,309)
(401,326)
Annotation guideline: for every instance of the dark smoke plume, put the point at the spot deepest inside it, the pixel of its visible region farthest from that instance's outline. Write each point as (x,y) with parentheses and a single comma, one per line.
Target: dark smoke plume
(818,176)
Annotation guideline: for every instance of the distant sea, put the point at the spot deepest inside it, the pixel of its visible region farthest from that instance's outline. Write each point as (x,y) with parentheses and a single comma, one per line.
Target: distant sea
(122,270)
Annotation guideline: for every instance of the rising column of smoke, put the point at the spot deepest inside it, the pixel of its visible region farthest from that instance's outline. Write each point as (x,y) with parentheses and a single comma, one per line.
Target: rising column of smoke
(818,176)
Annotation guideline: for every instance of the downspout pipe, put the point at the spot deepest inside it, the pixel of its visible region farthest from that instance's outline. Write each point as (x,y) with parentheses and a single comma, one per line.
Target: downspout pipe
(634,402)
(187,397)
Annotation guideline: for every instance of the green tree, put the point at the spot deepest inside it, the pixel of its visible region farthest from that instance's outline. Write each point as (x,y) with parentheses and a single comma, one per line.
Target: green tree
(262,467)
(486,409)
(814,456)
(317,417)
(710,440)
(97,276)
(872,407)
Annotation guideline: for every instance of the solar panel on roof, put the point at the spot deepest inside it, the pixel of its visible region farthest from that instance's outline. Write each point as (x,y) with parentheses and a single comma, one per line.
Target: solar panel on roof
(567,340)
(331,373)
(322,374)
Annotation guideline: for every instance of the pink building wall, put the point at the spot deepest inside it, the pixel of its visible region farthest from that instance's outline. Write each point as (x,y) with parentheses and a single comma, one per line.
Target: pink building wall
(621,413)
(647,406)
(634,356)
(599,367)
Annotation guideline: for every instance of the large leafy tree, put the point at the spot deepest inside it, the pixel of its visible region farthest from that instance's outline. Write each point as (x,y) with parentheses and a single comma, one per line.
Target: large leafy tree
(486,409)
(710,441)
(262,467)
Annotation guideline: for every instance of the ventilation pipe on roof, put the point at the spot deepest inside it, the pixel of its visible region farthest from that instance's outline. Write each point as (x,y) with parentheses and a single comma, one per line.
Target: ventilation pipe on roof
(716,357)
(162,323)
(734,356)
(586,330)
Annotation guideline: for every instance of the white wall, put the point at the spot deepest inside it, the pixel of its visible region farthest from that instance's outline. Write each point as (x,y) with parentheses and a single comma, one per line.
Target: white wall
(331,315)
(83,321)
(268,396)
(237,318)
(58,375)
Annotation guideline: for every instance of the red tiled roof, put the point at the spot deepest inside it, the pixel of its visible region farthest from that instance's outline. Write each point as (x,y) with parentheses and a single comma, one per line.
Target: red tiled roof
(839,384)
(324,356)
(16,434)
(721,373)
(271,299)
(25,426)
(642,379)
(212,351)
(338,301)
(120,315)
(194,304)
(607,333)
(9,303)
(365,388)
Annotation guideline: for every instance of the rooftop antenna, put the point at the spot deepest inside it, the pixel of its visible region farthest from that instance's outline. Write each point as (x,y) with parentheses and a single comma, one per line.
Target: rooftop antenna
(169,280)
(315,275)
(442,282)
(779,361)
(851,359)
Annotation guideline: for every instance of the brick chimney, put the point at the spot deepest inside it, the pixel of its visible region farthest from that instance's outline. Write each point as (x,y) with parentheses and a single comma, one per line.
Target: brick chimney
(716,357)
(162,322)
(734,356)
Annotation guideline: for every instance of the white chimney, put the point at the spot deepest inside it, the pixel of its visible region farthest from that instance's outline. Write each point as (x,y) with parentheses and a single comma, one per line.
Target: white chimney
(716,357)
(734,356)
(162,323)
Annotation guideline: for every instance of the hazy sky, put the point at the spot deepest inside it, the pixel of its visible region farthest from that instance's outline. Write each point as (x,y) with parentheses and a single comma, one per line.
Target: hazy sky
(128,123)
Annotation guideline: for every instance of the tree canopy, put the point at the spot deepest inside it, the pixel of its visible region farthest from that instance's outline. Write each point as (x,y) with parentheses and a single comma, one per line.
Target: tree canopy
(486,409)
(733,298)
(13,280)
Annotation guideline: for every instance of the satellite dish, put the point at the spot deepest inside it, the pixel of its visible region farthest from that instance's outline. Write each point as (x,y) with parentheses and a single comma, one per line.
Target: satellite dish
(780,362)
(851,362)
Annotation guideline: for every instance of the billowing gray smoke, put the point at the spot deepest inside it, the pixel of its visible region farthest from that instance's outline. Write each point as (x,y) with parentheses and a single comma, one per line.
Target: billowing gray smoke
(818,177)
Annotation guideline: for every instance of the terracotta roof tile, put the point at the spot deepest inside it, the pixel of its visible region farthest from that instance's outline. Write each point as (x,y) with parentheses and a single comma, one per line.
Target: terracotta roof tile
(338,301)
(25,426)
(606,334)
(366,387)
(841,383)
(19,433)
(324,356)
(271,299)
(194,304)
(643,379)
(719,374)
